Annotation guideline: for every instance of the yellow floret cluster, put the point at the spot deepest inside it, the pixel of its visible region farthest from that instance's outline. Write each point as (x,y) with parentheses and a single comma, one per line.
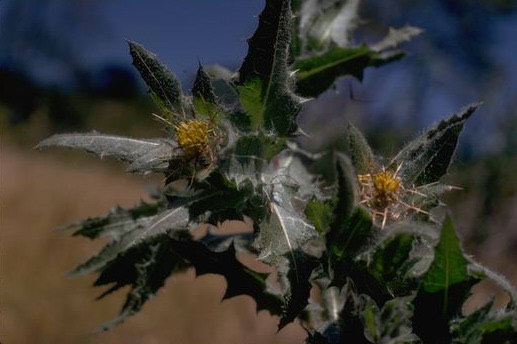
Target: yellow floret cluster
(386,187)
(381,193)
(194,137)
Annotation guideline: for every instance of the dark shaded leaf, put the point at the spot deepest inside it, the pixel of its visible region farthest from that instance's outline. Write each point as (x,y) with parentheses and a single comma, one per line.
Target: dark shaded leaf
(483,326)
(144,155)
(328,214)
(161,81)
(444,288)
(389,325)
(239,200)
(117,222)
(391,262)
(449,266)
(144,267)
(351,235)
(241,280)
(336,319)
(263,76)
(205,100)
(299,271)
(427,158)
(317,73)
(176,220)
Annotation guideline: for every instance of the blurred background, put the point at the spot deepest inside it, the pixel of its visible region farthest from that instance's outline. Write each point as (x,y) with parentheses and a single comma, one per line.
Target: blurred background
(64,66)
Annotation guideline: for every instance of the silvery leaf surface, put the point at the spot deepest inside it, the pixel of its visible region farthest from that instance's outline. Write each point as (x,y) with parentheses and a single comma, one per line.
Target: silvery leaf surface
(142,154)
(286,228)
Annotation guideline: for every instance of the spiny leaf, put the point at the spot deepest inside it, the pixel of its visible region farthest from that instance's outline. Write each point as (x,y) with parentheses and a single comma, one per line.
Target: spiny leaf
(427,158)
(205,100)
(161,81)
(444,288)
(351,235)
(288,186)
(297,276)
(241,280)
(449,266)
(263,76)
(320,214)
(203,86)
(239,200)
(391,261)
(320,318)
(317,73)
(389,325)
(175,220)
(483,326)
(336,319)
(397,36)
(327,213)
(323,22)
(428,196)
(144,267)
(117,222)
(358,149)
(144,155)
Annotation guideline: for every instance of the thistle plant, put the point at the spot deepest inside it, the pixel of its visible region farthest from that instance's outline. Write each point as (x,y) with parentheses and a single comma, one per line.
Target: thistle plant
(367,232)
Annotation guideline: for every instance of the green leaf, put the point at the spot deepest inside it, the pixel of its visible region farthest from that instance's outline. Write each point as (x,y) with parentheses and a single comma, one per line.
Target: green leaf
(328,214)
(143,155)
(239,200)
(444,288)
(263,76)
(144,267)
(358,149)
(251,99)
(285,228)
(172,220)
(258,147)
(350,236)
(117,222)
(297,285)
(326,22)
(205,100)
(320,214)
(391,261)
(317,73)
(241,280)
(160,80)
(483,326)
(427,158)
(389,325)
(449,266)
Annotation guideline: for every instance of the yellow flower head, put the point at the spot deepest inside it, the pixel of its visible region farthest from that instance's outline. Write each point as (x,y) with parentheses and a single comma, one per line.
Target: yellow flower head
(381,193)
(194,137)
(386,185)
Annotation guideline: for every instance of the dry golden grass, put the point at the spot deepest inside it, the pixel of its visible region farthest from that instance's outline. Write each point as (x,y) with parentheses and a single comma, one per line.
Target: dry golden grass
(40,191)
